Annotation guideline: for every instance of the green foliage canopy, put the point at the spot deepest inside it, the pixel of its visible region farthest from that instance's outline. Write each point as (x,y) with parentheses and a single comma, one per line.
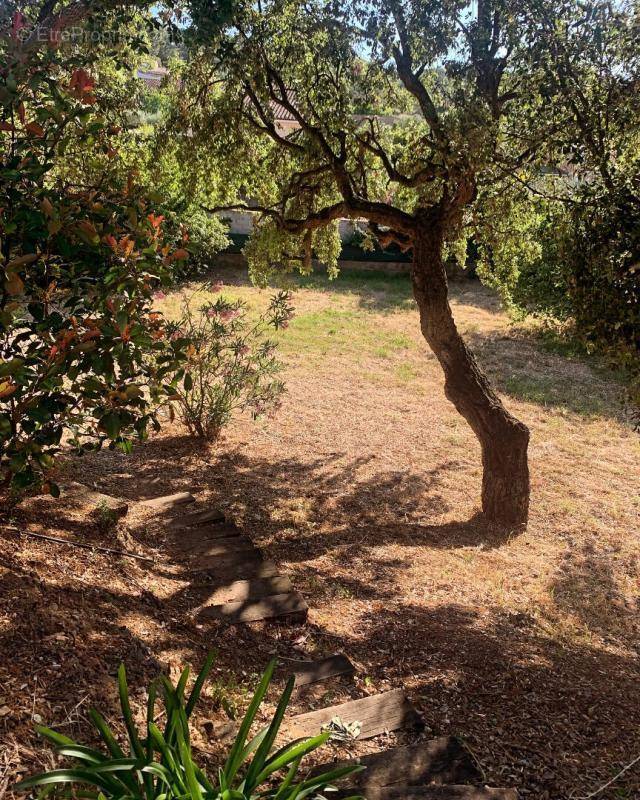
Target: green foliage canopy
(81,348)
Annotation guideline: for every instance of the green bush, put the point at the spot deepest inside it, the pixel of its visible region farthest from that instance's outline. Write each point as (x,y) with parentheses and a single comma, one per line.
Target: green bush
(160,764)
(231,365)
(82,352)
(576,264)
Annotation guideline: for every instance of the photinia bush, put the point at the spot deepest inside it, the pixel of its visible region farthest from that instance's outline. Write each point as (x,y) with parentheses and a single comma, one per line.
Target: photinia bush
(81,348)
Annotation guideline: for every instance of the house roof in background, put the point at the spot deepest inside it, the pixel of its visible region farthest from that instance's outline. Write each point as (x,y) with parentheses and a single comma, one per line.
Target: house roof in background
(280,112)
(152,78)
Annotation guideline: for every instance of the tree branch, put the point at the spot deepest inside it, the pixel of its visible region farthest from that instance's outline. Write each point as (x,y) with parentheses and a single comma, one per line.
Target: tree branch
(371,143)
(412,83)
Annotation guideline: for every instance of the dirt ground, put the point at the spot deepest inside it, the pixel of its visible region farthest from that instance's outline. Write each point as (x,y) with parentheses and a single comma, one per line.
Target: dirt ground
(365,490)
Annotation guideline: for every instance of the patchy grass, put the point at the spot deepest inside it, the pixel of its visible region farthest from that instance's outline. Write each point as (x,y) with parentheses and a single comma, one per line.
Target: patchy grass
(549,391)
(365,490)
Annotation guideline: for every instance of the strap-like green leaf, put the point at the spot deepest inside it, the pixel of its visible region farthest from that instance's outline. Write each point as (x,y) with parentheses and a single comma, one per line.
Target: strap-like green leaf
(106,734)
(202,778)
(253,744)
(285,748)
(160,772)
(171,705)
(189,771)
(151,710)
(81,753)
(58,739)
(197,686)
(328,777)
(65,776)
(118,765)
(283,790)
(123,690)
(113,747)
(234,759)
(291,755)
(182,683)
(168,757)
(258,762)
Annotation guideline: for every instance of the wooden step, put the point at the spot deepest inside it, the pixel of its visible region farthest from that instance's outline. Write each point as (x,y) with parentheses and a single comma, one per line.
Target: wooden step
(202,517)
(168,500)
(376,714)
(220,547)
(241,590)
(226,564)
(307,672)
(290,606)
(442,760)
(433,792)
(188,539)
(192,539)
(228,571)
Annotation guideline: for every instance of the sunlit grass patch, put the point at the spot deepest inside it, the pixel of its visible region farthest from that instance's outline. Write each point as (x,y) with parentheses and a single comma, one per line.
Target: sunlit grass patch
(406,373)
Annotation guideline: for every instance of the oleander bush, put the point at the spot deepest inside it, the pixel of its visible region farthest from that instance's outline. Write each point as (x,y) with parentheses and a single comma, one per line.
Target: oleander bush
(231,363)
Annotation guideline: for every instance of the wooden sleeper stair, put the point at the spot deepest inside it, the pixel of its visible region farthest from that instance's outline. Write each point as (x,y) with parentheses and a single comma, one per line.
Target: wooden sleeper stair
(229,574)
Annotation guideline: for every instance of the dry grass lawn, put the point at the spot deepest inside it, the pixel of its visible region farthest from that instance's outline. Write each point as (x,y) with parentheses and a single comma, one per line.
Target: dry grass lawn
(365,489)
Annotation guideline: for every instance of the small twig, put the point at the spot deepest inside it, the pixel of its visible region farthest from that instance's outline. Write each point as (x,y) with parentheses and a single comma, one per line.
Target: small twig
(608,783)
(68,720)
(58,540)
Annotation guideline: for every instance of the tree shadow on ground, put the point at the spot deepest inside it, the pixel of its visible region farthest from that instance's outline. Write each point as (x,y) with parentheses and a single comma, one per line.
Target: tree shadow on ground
(63,636)
(544,716)
(376,290)
(586,589)
(547,717)
(519,367)
(363,513)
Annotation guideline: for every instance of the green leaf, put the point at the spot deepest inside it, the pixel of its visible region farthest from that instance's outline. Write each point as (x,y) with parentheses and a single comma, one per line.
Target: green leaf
(326,778)
(58,739)
(197,687)
(160,772)
(263,750)
(111,423)
(81,753)
(286,783)
(291,755)
(182,682)
(168,756)
(187,764)
(119,765)
(123,691)
(11,367)
(151,704)
(234,759)
(106,734)
(65,776)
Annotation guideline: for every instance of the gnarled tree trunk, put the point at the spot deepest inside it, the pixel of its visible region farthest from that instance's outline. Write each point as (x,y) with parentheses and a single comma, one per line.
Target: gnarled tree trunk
(503,438)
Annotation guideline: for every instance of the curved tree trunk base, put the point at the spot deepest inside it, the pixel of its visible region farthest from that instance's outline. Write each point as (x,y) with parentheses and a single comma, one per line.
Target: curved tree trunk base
(505,479)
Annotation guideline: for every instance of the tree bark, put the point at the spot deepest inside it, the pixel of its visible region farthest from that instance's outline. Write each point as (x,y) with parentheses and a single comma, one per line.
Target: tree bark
(503,438)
